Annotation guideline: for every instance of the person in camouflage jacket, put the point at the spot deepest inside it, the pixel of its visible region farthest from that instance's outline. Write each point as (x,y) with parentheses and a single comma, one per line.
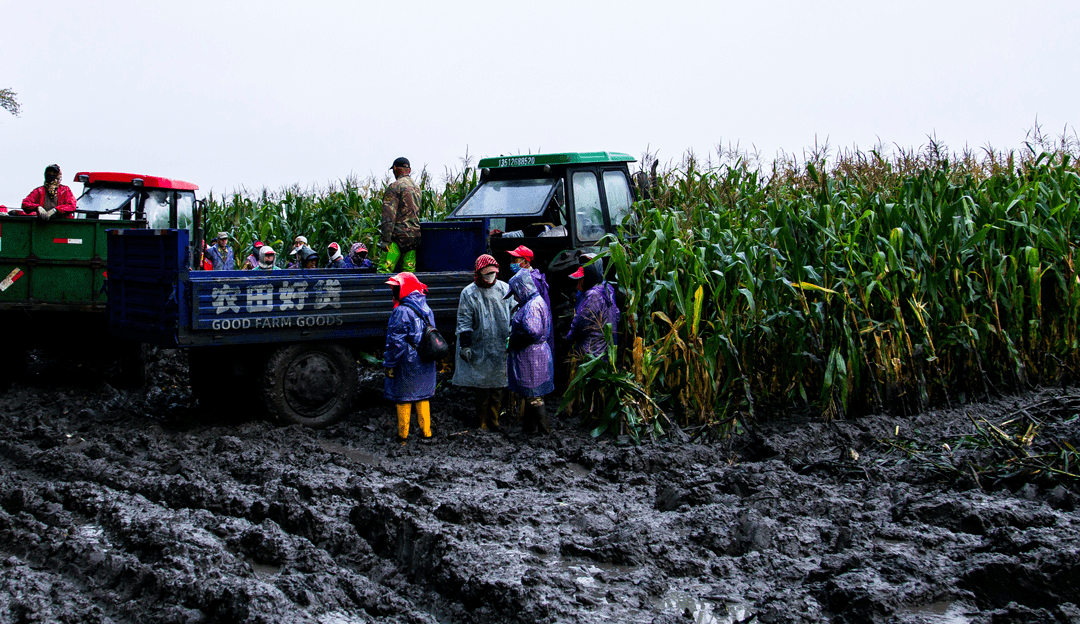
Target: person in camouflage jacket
(400,230)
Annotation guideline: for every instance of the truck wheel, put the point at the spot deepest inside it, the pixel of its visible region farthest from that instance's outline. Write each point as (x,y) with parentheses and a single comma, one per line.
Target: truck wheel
(310,383)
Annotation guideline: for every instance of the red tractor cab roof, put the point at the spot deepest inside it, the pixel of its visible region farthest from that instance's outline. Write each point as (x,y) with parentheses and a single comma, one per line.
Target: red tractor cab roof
(132,179)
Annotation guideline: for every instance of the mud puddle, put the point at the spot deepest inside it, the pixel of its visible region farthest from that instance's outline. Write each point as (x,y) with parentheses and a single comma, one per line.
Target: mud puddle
(117,506)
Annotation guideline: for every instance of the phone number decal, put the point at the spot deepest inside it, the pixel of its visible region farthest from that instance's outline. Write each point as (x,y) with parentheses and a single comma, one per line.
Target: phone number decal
(519,161)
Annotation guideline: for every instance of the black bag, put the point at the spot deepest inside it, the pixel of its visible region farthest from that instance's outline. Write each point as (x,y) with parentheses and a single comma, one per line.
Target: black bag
(433,347)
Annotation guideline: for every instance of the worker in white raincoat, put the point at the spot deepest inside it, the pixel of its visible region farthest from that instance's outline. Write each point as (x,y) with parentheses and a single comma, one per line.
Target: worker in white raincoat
(483,325)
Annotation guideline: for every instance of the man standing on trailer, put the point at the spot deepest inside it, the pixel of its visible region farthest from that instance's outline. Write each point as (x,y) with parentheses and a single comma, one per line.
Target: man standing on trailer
(400,230)
(50,199)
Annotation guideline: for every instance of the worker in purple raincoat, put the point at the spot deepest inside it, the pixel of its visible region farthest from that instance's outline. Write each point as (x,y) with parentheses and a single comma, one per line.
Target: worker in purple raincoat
(530,366)
(594,310)
(409,380)
(521,260)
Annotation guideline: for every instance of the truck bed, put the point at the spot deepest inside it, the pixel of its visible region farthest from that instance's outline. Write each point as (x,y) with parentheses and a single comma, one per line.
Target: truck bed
(155,298)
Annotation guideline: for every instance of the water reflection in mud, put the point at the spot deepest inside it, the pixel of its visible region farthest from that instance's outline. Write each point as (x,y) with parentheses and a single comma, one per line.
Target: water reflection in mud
(944,612)
(707,611)
(354,454)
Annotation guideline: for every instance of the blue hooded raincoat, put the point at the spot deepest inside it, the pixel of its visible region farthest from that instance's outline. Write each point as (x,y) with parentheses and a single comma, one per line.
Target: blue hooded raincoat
(530,369)
(413,380)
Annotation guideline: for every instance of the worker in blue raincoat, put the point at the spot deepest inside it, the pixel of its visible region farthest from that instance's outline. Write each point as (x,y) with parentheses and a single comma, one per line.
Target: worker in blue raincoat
(530,366)
(483,325)
(409,380)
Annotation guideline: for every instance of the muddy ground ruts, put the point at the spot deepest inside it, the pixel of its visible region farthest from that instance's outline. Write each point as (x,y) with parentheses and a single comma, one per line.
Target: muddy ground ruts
(138,506)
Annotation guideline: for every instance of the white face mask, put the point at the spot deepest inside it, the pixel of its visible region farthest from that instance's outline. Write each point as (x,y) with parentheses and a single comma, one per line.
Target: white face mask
(489,278)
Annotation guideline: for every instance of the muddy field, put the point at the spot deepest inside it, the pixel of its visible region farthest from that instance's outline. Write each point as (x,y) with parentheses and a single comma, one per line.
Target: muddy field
(121,506)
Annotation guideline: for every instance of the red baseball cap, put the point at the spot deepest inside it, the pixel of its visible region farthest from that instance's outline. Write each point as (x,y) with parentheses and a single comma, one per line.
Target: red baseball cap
(522,252)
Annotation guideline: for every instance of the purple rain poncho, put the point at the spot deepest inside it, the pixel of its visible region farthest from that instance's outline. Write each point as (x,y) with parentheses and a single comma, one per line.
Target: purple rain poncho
(596,309)
(530,367)
(413,380)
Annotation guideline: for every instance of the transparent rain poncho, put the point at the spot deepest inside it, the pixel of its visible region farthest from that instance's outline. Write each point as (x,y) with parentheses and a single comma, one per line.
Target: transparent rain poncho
(486,313)
(531,367)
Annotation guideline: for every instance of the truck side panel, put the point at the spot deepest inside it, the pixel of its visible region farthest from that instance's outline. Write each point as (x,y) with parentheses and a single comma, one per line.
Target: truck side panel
(243,307)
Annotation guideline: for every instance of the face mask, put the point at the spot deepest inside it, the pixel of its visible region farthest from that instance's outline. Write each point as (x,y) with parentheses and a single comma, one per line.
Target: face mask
(489,277)
(397,292)
(515,267)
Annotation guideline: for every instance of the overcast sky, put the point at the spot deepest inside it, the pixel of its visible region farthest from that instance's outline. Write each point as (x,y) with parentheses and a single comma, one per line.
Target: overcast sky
(230,94)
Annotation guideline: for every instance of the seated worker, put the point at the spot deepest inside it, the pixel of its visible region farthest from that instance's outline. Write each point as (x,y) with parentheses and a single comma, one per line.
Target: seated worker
(267,259)
(252,260)
(50,199)
(298,242)
(357,258)
(307,258)
(221,255)
(337,261)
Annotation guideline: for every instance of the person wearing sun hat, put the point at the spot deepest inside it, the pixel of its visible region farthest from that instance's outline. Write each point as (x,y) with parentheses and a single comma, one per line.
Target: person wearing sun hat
(252,261)
(408,380)
(357,258)
(336,260)
(483,325)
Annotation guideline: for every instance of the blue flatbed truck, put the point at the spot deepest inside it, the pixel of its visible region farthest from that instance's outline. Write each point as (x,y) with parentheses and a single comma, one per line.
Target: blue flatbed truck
(286,340)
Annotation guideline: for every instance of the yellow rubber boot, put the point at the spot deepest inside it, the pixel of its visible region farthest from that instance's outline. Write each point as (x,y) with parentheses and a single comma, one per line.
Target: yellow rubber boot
(404,414)
(423,417)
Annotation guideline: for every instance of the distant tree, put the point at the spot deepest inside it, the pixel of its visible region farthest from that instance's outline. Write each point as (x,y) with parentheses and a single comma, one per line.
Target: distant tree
(8,102)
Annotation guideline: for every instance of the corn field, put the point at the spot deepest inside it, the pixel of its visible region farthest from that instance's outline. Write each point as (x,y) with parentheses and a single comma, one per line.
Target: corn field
(871,283)
(835,286)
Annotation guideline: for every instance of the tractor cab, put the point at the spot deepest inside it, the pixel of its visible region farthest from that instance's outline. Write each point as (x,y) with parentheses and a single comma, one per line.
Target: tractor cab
(551,203)
(157,202)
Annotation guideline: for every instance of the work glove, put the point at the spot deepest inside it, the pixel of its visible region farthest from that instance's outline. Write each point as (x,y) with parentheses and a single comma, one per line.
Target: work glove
(45,214)
(389,372)
(466,354)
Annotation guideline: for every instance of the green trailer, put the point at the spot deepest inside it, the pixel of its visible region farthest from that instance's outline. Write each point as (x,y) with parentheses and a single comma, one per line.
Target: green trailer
(54,266)
(53,272)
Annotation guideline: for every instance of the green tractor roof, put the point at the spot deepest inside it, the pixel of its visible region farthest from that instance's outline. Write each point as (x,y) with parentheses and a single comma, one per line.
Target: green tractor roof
(566,158)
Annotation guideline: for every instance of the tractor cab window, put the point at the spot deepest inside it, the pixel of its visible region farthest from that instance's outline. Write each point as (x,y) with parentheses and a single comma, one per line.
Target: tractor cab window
(508,198)
(106,203)
(185,209)
(619,198)
(156,208)
(587,209)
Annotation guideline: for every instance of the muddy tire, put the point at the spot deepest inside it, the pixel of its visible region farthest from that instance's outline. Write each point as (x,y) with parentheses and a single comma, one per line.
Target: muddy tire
(310,384)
